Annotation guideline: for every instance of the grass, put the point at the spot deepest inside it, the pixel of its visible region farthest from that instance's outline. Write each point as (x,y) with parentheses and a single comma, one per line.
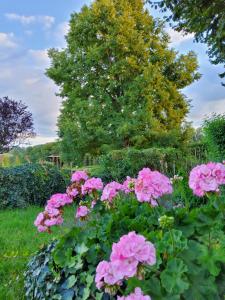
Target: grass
(19,240)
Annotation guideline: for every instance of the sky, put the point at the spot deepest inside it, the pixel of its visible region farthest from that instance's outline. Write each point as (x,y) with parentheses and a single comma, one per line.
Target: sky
(28,28)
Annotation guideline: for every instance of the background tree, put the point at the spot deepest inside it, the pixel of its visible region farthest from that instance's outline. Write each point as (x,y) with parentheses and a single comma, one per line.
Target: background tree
(16,123)
(119,80)
(206,19)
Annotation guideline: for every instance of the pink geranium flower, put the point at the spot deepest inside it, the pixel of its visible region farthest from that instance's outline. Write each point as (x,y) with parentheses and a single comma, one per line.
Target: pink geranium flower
(134,246)
(79,176)
(59,200)
(127,255)
(106,274)
(72,192)
(91,185)
(151,185)
(207,178)
(54,221)
(110,191)
(129,185)
(137,295)
(82,211)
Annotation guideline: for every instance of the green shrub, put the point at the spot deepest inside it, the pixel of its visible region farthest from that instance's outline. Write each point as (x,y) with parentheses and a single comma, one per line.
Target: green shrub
(190,253)
(30,184)
(214,136)
(118,164)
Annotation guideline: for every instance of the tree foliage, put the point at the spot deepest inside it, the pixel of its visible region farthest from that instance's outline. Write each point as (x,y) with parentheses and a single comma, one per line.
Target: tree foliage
(214,136)
(36,153)
(206,19)
(16,123)
(119,80)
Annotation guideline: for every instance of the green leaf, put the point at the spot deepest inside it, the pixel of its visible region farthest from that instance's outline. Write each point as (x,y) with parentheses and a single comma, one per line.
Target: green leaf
(212,258)
(173,278)
(81,249)
(69,283)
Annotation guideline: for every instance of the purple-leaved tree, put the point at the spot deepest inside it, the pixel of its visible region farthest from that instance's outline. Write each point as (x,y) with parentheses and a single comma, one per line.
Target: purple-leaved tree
(16,123)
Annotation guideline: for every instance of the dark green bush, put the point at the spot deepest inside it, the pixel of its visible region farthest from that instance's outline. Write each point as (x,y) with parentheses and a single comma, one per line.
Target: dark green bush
(214,136)
(30,184)
(118,164)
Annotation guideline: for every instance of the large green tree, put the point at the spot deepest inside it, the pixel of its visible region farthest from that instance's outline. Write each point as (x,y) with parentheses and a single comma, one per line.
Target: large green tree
(204,18)
(119,80)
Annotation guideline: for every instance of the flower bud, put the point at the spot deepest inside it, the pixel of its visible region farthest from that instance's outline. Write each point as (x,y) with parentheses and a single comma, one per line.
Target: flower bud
(166,222)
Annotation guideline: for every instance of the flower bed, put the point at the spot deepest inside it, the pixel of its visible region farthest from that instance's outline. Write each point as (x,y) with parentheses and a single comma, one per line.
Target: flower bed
(131,241)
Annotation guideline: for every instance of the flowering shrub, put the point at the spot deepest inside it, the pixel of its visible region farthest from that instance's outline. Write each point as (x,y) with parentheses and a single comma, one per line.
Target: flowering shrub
(133,250)
(207,178)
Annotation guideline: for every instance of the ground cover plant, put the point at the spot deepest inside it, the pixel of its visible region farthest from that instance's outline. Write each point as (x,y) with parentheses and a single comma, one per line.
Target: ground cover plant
(134,240)
(19,241)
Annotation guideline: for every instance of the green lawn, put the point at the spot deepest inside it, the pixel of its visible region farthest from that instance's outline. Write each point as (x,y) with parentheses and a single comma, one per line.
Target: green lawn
(19,240)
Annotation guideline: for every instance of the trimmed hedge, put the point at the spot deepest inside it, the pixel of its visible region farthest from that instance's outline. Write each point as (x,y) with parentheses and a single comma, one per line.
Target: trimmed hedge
(30,184)
(118,164)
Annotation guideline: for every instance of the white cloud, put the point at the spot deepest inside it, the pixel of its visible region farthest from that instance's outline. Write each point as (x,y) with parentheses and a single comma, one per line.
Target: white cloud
(40,57)
(61,31)
(23,79)
(176,38)
(38,140)
(202,110)
(46,21)
(7,40)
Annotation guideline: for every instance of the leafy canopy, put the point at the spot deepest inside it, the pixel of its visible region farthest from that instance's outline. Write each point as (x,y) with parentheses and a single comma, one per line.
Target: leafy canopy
(206,19)
(119,80)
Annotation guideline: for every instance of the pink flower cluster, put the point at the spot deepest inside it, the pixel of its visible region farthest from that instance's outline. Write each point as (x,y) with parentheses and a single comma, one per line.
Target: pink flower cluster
(127,255)
(75,188)
(151,185)
(129,185)
(59,200)
(72,192)
(137,295)
(110,191)
(207,178)
(79,176)
(82,212)
(91,185)
(52,214)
